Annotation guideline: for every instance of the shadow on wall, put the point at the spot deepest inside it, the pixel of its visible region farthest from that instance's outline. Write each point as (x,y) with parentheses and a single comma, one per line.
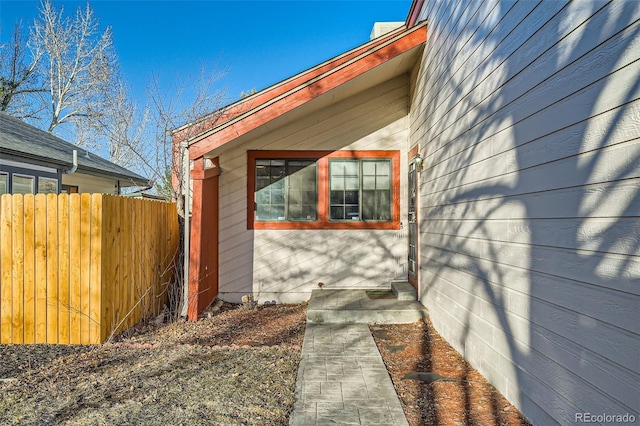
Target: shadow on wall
(530,196)
(286,265)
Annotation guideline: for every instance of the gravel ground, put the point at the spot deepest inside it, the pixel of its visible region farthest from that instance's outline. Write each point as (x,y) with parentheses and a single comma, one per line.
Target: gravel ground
(238,367)
(468,400)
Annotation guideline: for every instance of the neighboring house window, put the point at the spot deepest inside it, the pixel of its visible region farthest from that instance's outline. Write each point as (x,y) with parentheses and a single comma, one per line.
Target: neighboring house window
(47,185)
(286,189)
(22,184)
(323,190)
(4,183)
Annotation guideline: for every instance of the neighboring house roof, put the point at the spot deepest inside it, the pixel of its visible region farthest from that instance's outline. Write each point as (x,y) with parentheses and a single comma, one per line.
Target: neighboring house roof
(24,141)
(362,67)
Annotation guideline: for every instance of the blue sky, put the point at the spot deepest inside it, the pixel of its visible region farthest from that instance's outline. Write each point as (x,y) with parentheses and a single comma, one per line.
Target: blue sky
(254,43)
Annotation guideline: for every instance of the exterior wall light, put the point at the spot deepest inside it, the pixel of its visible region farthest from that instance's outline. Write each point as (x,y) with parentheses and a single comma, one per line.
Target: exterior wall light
(418,161)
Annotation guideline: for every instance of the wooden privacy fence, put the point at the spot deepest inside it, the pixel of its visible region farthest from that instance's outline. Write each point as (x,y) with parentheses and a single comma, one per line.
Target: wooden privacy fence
(76,268)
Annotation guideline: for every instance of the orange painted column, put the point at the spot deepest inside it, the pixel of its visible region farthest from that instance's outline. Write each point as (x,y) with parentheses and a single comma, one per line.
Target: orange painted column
(203,250)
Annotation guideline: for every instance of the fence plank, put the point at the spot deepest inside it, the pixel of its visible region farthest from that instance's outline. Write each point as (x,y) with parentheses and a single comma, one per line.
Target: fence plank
(135,242)
(85,263)
(75,268)
(96,268)
(17,267)
(5,270)
(110,250)
(64,319)
(124,287)
(41,267)
(29,270)
(52,268)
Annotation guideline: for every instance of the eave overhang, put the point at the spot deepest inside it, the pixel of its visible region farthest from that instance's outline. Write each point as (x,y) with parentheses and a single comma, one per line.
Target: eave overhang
(366,65)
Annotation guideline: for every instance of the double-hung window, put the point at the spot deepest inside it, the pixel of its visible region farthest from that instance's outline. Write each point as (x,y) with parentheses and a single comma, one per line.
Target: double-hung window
(360,189)
(323,190)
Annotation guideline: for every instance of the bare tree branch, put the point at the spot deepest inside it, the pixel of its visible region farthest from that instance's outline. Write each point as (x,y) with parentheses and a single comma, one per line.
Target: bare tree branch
(19,79)
(80,64)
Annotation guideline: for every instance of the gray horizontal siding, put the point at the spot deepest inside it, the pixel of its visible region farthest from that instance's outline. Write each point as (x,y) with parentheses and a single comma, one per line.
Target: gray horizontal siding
(528,118)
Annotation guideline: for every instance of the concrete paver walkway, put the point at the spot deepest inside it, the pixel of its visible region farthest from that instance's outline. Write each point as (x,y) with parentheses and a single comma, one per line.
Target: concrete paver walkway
(342,379)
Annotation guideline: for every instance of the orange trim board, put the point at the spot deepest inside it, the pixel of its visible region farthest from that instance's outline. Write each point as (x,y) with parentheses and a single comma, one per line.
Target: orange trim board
(306,91)
(323,158)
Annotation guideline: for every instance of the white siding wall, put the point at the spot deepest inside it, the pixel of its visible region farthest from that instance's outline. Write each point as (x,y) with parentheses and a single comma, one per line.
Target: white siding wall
(528,116)
(285,265)
(92,184)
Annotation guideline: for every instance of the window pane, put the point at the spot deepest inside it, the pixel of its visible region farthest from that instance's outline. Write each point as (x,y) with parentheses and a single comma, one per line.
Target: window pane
(337,213)
(368,205)
(383,182)
(302,183)
(277,212)
(368,182)
(351,197)
(309,196)
(263,196)
(263,212)
(337,197)
(352,212)
(277,196)
(262,182)
(383,167)
(344,168)
(286,189)
(350,168)
(383,205)
(309,211)
(47,185)
(277,173)
(4,183)
(337,182)
(351,183)
(368,168)
(23,184)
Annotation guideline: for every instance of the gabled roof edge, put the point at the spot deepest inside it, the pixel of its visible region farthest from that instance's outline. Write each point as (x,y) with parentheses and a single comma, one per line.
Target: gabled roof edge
(364,51)
(281,86)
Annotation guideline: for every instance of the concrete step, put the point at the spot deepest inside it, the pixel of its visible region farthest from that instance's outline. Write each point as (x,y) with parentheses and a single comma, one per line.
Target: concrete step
(404,290)
(355,307)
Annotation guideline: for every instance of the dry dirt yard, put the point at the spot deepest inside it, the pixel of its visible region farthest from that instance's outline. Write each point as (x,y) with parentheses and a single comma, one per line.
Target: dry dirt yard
(238,367)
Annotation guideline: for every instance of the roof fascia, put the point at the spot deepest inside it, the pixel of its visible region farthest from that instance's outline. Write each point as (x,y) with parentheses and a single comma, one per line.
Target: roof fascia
(308,89)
